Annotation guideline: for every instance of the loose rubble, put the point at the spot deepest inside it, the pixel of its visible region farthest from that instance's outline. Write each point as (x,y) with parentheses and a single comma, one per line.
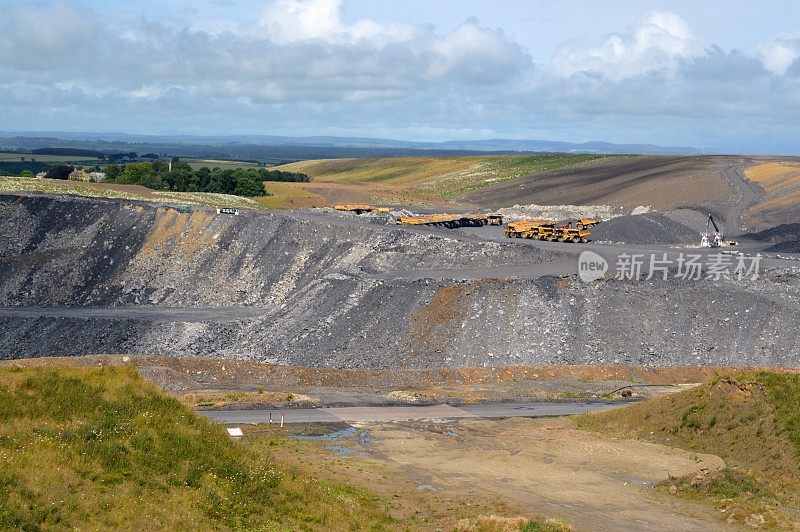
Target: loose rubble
(329,299)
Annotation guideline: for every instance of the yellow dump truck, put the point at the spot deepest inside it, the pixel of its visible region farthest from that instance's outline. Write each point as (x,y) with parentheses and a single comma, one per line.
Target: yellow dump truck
(568,234)
(520,229)
(542,232)
(557,234)
(450,221)
(547,230)
(360,208)
(586,223)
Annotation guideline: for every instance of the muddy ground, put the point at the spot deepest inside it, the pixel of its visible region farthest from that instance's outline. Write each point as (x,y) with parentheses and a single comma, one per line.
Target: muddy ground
(246,384)
(539,467)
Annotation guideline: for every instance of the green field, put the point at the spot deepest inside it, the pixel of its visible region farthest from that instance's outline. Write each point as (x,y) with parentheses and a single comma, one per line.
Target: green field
(50,159)
(103,449)
(440,176)
(750,420)
(126,192)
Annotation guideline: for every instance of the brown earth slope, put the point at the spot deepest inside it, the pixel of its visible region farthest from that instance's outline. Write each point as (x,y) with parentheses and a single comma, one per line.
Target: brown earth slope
(663,182)
(780,180)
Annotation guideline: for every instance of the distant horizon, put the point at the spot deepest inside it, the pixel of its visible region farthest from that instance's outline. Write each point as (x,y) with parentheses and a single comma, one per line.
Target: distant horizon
(720,76)
(389,143)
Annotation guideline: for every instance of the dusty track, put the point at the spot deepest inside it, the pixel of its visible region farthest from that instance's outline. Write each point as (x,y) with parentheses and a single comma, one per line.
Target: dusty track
(382,414)
(743,195)
(141,313)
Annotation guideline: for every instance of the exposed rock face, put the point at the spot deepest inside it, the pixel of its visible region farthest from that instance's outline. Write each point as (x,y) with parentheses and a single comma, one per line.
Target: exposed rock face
(327,299)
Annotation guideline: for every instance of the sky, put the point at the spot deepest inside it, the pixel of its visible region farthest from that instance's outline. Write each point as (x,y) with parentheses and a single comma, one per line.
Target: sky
(723,76)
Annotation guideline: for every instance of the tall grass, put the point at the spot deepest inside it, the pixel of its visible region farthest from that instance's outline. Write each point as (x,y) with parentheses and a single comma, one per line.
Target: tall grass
(101,448)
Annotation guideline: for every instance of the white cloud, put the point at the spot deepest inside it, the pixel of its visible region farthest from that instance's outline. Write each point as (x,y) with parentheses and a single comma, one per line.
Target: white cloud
(305,52)
(296,20)
(288,21)
(779,53)
(303,69)
(657,43)
(472,53)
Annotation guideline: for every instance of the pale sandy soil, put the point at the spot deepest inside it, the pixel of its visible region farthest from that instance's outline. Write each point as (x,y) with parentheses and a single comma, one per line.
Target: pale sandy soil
(551,468)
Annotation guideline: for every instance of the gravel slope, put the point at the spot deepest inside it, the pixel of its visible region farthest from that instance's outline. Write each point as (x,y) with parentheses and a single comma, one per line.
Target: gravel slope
(318,280)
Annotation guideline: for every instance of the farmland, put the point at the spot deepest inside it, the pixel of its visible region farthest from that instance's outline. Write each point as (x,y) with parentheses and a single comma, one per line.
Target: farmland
(438,177)
(225,164)
(50,159)
(123,192)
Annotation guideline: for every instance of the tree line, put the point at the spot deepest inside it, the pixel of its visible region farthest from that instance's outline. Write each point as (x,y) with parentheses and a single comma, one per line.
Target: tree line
(17,167)
(183,178)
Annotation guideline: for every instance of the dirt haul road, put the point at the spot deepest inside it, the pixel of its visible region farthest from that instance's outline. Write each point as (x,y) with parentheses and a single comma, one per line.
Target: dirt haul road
(140,313)
(373,414)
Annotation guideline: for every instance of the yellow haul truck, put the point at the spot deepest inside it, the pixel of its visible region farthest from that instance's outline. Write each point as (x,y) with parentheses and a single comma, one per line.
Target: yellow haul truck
(568,234)
(547,230)
(360,209)
(520,229)
(450,221)
(586,223)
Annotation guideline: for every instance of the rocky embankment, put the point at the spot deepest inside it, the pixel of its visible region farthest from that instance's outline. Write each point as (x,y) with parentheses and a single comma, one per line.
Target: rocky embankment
(327,300)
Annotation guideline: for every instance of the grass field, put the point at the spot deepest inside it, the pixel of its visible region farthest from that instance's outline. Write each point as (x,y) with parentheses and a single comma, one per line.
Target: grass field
(751,420)
(289,196)
(438,176)
(128,192)
(54,159)
(100,448)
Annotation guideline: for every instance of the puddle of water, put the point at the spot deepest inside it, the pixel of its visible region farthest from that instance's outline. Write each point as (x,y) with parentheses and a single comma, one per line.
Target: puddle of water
(341,450)
(363,439)
(332,436)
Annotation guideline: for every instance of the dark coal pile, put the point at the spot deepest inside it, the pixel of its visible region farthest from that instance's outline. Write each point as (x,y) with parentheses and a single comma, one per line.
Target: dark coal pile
(786,247)
(645,229)
(785,238)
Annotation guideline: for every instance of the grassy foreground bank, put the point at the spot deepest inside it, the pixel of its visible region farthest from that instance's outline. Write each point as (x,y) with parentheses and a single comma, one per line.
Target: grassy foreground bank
(101,448)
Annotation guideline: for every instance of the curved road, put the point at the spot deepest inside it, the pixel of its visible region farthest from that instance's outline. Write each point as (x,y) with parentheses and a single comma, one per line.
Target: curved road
(744,194)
